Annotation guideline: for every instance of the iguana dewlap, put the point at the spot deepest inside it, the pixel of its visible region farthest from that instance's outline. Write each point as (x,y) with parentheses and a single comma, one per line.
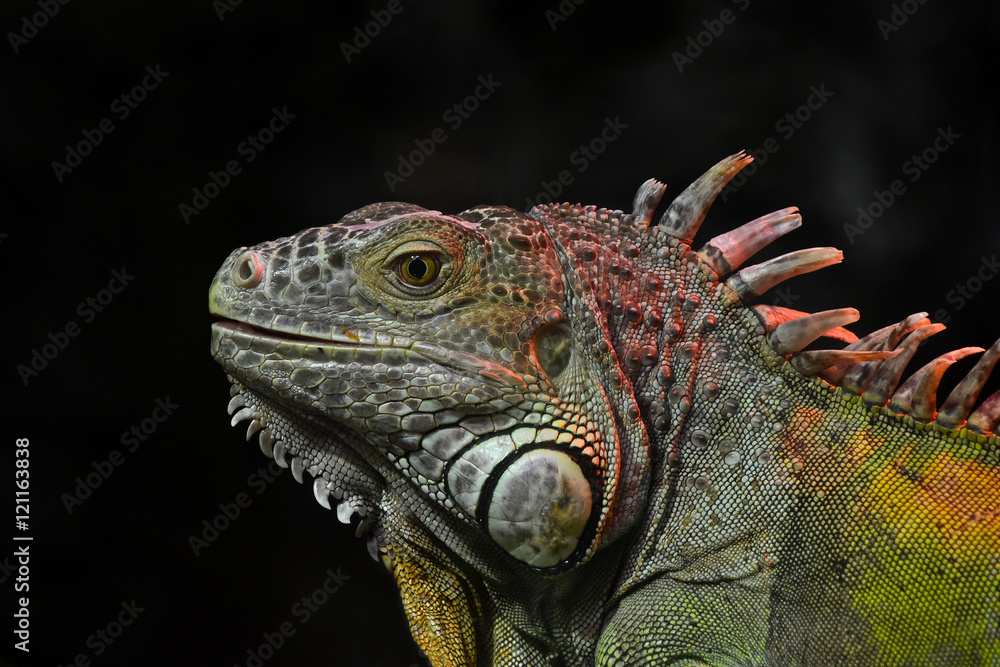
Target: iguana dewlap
(573,441)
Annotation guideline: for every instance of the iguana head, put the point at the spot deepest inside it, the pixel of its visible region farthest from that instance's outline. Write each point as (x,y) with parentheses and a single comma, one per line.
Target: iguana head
(432,351)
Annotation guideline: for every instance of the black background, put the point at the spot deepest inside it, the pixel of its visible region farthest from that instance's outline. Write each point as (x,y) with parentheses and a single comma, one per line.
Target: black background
(119,208)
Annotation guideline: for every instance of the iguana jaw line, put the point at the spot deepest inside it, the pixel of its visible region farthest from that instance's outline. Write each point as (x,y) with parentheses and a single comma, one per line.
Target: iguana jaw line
(349,338)
(459,361)
(263,411)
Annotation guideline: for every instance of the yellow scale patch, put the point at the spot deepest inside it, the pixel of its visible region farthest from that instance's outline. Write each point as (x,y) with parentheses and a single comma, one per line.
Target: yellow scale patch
(922,537)
(928,580)
(440,614)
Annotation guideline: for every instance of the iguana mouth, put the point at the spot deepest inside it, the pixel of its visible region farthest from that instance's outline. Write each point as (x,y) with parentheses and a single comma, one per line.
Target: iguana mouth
(366,339)
(349,338)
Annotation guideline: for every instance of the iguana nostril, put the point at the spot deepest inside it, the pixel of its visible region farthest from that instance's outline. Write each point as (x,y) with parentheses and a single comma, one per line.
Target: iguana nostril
(248,270)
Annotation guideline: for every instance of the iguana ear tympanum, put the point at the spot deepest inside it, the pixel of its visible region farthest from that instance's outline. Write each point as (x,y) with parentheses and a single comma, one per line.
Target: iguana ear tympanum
(573,441)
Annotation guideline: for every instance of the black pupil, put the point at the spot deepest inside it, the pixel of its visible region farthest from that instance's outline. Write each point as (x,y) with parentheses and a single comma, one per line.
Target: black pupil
(417,268)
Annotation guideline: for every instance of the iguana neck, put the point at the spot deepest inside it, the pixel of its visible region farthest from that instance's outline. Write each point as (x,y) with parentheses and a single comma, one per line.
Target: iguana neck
(723,412)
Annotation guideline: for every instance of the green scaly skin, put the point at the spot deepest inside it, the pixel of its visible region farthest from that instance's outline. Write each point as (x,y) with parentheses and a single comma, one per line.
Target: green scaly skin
(573,442)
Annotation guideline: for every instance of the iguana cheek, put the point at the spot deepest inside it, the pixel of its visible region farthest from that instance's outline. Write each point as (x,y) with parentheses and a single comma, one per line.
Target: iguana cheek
(534,502)
(540,507)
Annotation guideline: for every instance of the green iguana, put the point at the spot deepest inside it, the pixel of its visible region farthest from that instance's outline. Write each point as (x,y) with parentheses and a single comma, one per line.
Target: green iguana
(572,440)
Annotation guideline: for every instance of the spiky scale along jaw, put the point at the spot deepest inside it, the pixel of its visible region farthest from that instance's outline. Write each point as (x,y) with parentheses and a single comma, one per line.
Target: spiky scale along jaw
(571,439)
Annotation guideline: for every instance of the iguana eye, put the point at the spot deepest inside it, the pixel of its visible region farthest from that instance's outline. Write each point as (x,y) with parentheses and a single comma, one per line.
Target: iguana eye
(418,270)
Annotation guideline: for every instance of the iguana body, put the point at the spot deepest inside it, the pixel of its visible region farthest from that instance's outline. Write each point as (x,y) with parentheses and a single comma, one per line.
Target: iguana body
(572,441)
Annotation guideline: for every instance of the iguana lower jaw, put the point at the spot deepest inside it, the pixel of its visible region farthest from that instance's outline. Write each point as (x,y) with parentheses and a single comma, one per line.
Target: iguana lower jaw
(342,478)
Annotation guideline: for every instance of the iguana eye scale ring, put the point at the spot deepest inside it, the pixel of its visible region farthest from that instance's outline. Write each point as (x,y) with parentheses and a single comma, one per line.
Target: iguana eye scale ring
(419,268)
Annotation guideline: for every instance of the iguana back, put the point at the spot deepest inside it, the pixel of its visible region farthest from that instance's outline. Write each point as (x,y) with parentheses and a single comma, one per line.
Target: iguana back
(573,441)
